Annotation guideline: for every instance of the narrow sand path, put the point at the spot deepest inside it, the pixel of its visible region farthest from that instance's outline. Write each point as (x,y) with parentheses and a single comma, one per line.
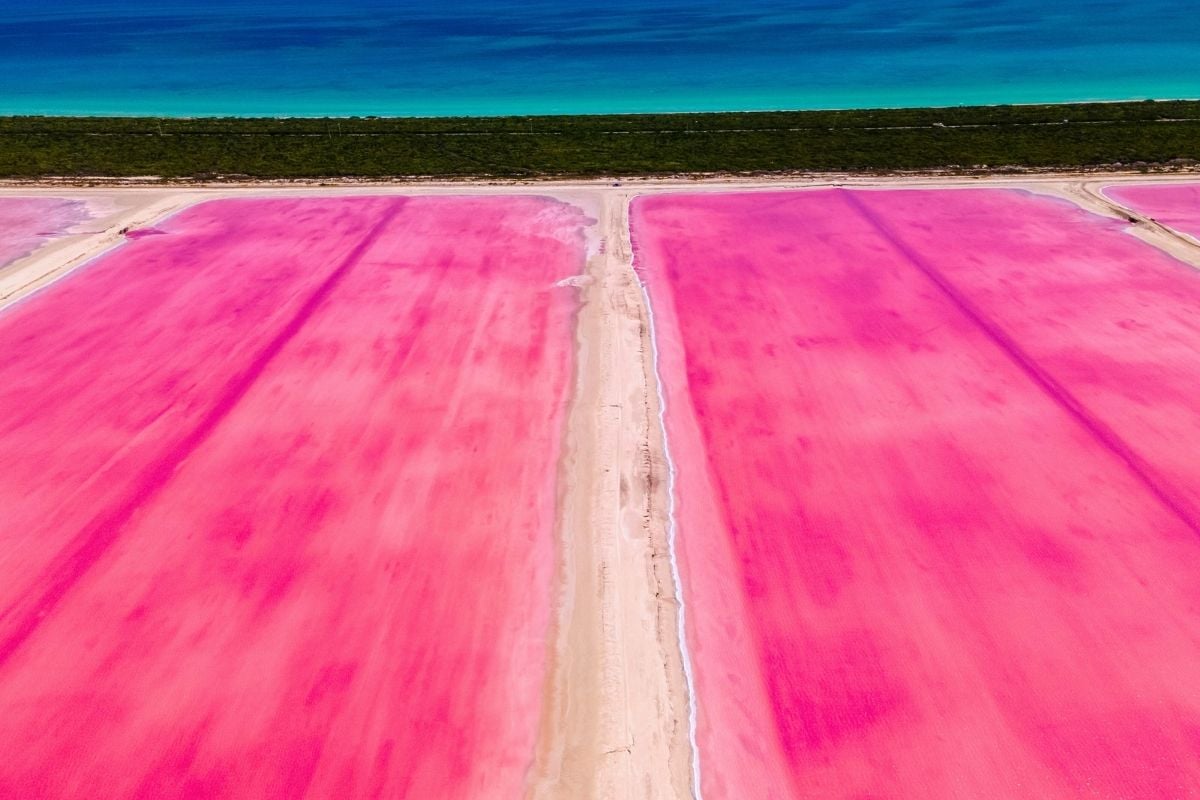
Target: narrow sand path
(115,212)
(615,723)
(1091,196)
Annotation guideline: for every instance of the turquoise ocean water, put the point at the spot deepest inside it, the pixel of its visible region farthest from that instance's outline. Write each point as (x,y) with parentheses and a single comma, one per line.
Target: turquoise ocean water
(362,57)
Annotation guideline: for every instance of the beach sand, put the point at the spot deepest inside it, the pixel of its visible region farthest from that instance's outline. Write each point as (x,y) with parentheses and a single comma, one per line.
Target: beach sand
(617,718)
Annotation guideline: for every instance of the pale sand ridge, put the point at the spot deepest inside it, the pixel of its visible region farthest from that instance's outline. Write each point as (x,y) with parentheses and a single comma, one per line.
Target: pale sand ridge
(616,709)
(114,211)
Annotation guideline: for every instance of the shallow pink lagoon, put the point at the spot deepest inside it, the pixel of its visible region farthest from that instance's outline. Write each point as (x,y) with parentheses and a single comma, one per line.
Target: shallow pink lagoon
(936,515)
(1176,205)
(28,222)
(279,495)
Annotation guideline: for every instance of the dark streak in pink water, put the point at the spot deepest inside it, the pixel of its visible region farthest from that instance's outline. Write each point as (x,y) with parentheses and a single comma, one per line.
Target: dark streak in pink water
(919,555)
(142,233)
(1159,487)
(1113,321)
(20,620)
(26,223)
(282,514)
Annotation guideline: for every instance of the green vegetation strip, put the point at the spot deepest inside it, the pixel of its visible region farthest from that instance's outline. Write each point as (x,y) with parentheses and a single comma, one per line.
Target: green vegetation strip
(1094,135)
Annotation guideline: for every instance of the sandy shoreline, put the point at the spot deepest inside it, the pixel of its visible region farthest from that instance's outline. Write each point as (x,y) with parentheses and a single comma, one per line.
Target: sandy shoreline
(130,204)
(616,707)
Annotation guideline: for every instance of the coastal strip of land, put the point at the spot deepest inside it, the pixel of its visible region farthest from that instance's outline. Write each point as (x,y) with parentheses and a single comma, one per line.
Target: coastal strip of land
(1146,136)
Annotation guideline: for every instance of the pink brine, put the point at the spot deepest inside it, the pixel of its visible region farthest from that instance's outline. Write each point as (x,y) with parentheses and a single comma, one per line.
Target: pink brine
(936,493)
(280,503)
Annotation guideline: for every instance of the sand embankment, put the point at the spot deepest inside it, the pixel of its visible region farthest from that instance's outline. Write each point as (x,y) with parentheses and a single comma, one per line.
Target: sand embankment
(617,707)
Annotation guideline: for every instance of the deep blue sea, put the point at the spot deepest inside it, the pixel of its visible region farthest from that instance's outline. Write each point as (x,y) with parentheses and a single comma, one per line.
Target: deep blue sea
(450,57)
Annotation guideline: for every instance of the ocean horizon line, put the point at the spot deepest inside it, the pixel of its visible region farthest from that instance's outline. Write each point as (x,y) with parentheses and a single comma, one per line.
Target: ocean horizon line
(679,113)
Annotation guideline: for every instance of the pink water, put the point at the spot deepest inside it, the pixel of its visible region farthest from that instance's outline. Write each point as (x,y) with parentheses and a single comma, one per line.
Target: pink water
(928,549)
(280,503)
(28,222)
(1176,205)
